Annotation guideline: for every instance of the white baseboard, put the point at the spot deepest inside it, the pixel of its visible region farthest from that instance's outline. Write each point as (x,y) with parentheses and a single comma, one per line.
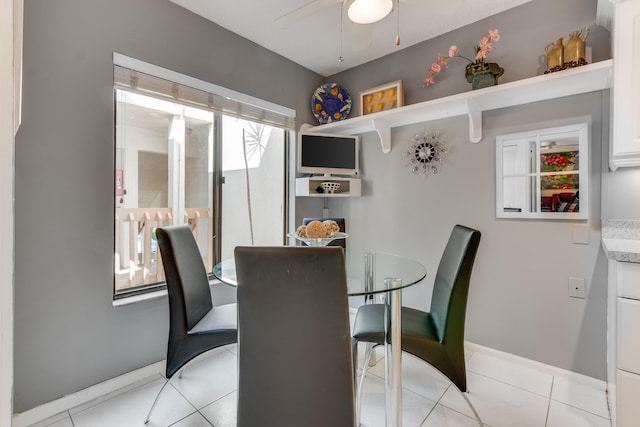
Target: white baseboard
(541,367)
(114,385)
(141,376)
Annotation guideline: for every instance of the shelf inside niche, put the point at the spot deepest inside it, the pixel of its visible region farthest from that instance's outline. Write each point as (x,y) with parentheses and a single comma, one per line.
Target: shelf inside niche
(574,81)
(307,186)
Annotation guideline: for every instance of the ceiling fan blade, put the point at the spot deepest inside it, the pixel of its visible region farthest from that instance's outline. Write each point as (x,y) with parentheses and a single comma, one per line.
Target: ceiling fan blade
(314,6)
(449,7)
(362,35)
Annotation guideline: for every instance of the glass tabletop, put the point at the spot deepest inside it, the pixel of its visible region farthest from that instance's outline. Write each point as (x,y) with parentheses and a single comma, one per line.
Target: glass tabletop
(368,272)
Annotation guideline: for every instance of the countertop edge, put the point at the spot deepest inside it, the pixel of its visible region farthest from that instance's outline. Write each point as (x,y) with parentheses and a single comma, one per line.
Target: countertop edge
(626,250)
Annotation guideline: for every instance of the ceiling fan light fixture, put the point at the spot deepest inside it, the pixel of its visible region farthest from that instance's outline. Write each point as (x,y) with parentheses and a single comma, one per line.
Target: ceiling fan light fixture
(369,11)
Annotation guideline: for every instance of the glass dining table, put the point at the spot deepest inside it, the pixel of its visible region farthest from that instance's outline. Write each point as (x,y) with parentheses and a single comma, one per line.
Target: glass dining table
(371,273)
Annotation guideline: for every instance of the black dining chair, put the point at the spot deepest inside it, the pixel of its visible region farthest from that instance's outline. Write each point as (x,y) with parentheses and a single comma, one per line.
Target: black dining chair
(437,336)
(195,325)
(341,225)
(295,348)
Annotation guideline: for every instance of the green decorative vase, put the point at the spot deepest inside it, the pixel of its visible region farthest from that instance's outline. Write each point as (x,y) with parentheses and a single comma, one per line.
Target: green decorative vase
(483,74)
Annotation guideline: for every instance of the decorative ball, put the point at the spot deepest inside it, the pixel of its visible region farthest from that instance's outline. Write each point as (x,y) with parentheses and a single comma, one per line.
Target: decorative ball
(332,227)
(316,230)
(302,231)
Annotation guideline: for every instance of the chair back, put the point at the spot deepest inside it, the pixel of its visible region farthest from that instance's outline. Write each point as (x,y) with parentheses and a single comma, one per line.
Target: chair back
(341,225)
(187,280)
(451,287)
(294,340)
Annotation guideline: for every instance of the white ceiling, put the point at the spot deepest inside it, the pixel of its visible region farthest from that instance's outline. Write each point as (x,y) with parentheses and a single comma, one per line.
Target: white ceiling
(311,36)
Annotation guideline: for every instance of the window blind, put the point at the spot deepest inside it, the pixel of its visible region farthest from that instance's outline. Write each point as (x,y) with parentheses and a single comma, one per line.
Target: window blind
(174,91)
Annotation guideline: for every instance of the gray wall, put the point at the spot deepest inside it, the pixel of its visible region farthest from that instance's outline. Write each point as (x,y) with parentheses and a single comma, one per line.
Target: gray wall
(67,334)
(519,298)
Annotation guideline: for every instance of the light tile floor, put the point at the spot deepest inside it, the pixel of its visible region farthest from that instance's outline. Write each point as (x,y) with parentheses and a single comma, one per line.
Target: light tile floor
(504,393)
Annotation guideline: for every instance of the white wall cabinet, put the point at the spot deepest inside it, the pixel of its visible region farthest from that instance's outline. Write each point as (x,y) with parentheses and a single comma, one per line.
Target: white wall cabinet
(627,282)
(624,149)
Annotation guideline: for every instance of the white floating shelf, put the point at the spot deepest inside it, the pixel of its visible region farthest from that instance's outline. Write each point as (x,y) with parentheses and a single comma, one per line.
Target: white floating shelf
(588,78)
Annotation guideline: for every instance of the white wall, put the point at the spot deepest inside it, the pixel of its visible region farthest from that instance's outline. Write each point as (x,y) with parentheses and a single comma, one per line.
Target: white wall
(518,301)
(6,207)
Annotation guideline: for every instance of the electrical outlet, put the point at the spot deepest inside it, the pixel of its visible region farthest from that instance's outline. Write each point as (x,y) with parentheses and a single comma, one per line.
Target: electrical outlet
(577,288)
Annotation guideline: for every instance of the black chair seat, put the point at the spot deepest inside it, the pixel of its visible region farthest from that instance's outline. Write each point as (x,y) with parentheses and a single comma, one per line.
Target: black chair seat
(416,325)
(223,317)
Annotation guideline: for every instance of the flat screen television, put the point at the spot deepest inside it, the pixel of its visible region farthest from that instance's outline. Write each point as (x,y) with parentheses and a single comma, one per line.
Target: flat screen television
(328,154)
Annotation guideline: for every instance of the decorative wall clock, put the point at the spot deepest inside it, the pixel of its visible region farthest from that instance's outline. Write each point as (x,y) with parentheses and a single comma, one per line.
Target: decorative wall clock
(426,153)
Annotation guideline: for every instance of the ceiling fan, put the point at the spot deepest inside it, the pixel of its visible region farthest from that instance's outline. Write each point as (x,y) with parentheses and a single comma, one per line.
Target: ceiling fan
(361,30)
(374,10)
(361,12)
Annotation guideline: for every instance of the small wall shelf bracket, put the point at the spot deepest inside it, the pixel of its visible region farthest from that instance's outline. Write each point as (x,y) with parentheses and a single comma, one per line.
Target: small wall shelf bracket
(475,120)
(383,130)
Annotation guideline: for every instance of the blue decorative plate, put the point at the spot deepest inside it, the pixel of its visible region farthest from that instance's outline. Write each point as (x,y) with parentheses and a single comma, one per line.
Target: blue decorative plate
(330,102)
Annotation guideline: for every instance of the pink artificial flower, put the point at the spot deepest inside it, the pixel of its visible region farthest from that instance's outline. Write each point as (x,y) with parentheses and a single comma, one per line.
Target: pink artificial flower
(482,50)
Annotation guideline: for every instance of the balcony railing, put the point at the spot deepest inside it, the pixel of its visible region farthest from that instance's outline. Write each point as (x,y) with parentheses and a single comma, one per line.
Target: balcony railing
(137,259)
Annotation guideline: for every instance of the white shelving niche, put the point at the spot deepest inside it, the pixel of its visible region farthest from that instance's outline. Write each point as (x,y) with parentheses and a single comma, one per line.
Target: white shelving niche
(349,187)
(588,78)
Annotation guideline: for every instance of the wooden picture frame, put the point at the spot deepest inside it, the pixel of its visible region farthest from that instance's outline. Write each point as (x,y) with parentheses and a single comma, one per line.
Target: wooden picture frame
(380,98)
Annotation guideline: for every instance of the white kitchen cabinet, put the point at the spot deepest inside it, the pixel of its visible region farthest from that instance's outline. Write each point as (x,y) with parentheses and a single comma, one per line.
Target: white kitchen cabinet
(627,336)
(624,149)
(628,411)
(628,279)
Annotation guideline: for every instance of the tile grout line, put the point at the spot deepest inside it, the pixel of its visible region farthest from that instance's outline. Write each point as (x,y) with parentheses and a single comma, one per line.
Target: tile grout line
(577,407)
(512,385)
(434,406)
(546,420)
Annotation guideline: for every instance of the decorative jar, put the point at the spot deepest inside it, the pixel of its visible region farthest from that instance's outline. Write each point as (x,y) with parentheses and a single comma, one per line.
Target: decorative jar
(555,54)
(483,74)
(574,50)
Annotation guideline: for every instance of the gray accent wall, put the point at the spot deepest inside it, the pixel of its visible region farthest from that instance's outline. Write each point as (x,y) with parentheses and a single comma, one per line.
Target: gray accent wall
(68,336)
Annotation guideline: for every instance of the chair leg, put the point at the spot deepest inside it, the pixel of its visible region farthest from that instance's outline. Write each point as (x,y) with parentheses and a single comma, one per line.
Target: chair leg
(180,374)
(361,383)
(464,394)
(372,362)
(146,420)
